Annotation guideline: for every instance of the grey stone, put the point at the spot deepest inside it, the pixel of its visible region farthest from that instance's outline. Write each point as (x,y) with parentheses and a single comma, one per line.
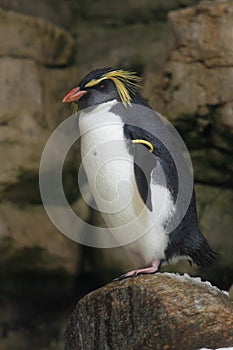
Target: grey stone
(31,37)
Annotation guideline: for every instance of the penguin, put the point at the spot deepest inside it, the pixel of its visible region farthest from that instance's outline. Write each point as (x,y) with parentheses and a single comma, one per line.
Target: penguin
(132,174)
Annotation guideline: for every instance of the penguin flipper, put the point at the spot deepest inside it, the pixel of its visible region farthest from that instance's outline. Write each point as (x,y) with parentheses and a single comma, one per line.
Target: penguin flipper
(144,163)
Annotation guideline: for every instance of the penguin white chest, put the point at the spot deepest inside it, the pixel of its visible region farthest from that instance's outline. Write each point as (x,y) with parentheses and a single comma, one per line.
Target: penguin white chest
(106,160)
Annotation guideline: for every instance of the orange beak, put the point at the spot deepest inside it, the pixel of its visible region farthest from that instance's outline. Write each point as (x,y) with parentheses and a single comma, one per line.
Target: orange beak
(74,95)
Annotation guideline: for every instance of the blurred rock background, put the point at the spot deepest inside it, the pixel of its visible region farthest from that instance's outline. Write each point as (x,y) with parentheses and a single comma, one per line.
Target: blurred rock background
(184,52)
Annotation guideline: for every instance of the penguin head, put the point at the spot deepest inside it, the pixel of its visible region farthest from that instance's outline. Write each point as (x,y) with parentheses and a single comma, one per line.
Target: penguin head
(103,85)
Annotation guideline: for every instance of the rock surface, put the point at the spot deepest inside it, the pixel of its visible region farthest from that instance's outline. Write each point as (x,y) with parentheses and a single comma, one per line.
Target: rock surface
(32,80)
(38,264)
(120,13)
(28,37)
(162,311)
(27,45)
(196,87)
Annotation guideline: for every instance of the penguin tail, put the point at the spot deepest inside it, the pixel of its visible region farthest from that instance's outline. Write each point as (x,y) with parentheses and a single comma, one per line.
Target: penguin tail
(204,256)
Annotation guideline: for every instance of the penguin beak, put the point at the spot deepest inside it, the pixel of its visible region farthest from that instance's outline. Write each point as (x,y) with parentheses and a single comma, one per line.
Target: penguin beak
(74,95)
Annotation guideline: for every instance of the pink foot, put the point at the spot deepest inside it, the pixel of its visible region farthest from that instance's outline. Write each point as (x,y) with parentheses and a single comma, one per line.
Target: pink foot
(151,269)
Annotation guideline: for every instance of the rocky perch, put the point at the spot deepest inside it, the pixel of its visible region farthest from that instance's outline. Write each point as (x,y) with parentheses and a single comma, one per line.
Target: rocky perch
(162,311)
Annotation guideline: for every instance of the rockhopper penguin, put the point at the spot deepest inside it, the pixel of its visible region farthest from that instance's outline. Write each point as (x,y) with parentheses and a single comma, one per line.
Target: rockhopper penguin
(106,98)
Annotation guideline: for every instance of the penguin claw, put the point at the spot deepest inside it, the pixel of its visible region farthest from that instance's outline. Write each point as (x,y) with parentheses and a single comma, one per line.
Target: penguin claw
(121,277)
(147,270)
(126,275)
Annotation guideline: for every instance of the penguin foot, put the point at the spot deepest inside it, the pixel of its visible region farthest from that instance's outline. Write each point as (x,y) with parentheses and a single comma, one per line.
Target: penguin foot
(147,270)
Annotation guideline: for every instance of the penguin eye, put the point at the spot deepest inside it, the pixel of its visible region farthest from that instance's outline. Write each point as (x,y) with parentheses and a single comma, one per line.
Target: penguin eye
(101,86)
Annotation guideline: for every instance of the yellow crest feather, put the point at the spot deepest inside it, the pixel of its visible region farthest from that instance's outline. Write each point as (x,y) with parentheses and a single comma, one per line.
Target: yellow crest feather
(125,82)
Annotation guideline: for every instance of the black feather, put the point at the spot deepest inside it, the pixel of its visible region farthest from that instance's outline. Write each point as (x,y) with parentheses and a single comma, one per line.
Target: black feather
(144,164)
(187,240)
(95,74)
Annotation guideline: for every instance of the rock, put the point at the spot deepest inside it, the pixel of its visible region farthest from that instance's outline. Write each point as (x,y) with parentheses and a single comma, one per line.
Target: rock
(162,311)
(30,91)
(231,292)
(195,89)
(24,325)
(130,11)
(215,213)
(212,166)
(32,84)
(56,82)
(20,81)
(29,227)
(203,33)
(153,38)
(197,86)
(28,37)
(53,11)
(225,114)
(215,218)
(38,265)
(66,14)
